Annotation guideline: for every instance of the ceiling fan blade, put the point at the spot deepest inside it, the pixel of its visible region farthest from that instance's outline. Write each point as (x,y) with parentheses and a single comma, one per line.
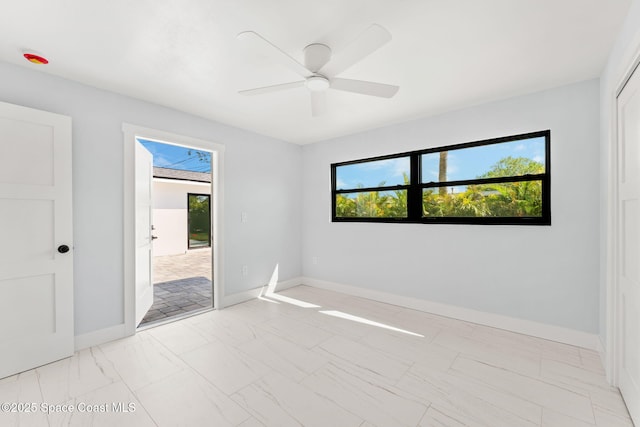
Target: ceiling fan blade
(366,88)
(274,88)
(318,102)
(264,47)
(366,43)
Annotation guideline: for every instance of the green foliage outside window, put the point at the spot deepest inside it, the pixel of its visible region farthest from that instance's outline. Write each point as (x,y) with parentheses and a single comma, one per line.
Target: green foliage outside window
(199,220)
(373,204)
(505,199)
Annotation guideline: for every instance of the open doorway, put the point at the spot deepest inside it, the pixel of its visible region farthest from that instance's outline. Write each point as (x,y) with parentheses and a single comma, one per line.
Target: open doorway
(181,268)
(142,252)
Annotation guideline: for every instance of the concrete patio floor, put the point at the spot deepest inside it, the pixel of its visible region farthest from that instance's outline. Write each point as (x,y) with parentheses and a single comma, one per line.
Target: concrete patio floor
(182,284)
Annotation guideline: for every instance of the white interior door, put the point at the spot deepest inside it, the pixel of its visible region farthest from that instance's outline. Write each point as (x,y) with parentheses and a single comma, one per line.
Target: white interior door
(36,250)
(629,243)
(143,223)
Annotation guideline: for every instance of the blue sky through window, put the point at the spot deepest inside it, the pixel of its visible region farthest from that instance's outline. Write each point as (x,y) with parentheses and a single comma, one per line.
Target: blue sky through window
(372,174)
(176,157)
(462,164)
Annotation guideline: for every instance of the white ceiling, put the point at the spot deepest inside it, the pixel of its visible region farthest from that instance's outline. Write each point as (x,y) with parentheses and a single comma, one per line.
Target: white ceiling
(444,55)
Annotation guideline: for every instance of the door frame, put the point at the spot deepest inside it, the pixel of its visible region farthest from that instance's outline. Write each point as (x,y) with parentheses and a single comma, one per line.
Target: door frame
(613,346)
(131,132)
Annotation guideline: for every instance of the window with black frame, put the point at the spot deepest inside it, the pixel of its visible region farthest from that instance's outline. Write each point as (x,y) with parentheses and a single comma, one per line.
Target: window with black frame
(372,189)
(498,181)
(199,220)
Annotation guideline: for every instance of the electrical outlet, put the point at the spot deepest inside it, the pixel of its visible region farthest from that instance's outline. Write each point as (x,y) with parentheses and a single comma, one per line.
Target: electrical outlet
(314,260)
(245,270)
(244,217)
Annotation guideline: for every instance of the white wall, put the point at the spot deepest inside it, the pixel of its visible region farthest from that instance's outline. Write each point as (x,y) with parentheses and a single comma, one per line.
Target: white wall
(170,214)
(624,52)
(537,273)
(261,178)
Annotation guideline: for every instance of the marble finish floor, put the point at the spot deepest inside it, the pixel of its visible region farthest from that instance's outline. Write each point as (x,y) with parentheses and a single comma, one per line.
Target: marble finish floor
(311,357)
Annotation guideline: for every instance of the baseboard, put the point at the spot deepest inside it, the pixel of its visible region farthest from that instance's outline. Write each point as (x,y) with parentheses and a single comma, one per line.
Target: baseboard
(100,336)
(527,327)
(604,357)
(600,348)
(250,294)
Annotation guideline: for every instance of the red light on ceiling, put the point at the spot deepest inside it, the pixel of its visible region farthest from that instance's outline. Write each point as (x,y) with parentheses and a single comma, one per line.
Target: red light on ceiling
(36,59)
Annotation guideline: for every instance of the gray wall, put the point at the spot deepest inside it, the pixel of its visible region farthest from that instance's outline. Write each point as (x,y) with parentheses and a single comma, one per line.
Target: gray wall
(543,274)
(261,178)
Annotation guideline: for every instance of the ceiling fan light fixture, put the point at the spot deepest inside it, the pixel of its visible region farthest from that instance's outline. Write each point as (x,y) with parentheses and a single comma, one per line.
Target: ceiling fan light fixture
(317,83)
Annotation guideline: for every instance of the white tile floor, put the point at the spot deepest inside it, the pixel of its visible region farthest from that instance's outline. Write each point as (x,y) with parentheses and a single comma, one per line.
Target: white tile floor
(274,363)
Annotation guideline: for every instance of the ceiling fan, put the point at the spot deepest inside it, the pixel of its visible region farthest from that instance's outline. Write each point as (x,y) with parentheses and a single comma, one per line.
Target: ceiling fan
(321,67)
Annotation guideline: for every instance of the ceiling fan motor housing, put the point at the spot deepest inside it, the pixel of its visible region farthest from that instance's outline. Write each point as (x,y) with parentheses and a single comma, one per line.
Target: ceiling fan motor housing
(316,56)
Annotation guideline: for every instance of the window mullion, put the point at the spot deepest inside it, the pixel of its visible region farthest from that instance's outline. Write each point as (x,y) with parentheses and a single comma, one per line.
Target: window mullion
(414,193)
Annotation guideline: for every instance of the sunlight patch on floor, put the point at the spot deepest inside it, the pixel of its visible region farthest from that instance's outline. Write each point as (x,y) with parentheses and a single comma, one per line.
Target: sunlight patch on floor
(353,318)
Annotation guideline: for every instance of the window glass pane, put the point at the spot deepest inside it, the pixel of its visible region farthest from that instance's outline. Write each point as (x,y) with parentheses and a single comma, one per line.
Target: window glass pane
(510,199)
(515,158)
(378,173)
(372,204)
(199,221)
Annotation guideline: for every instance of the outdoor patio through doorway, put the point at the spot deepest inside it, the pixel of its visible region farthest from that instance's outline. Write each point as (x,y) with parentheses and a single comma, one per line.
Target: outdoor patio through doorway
(182,284)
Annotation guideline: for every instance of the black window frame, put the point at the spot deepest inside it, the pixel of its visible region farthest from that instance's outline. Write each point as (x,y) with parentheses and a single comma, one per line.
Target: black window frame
(415,186)
(189,247)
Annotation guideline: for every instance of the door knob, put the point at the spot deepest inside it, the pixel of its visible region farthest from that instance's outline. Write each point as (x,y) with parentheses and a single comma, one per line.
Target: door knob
(63,249)
(154,237)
